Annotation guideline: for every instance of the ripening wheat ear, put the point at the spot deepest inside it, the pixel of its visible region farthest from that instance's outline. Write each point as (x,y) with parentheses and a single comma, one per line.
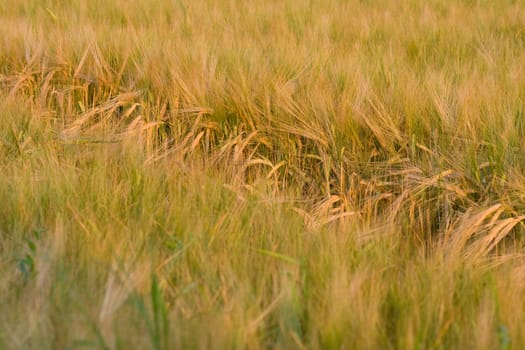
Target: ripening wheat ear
(476,236)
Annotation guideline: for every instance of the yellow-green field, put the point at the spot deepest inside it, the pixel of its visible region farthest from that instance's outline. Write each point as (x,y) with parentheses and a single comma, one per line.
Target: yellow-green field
(297,174)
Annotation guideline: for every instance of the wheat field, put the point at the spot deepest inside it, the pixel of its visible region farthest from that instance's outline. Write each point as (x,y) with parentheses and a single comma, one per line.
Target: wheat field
(306,174)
